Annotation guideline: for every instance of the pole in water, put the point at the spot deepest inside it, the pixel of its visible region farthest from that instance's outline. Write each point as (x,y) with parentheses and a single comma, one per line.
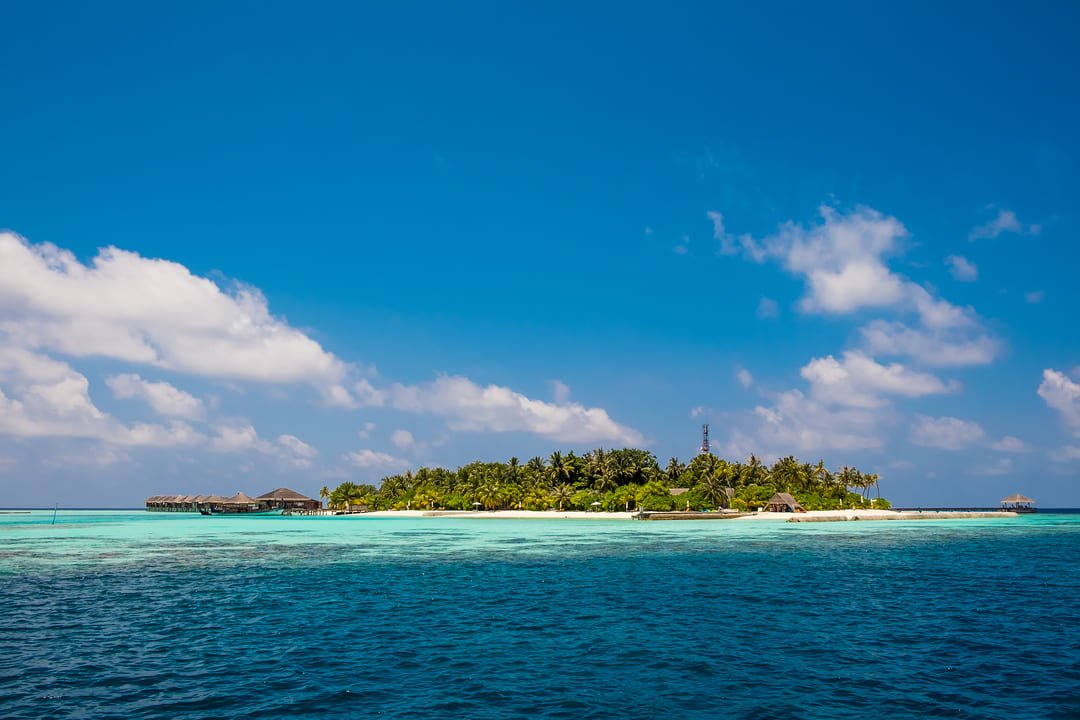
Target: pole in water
(55,507)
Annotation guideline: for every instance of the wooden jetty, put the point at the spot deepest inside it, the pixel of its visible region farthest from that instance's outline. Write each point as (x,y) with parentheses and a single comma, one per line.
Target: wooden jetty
(679,515)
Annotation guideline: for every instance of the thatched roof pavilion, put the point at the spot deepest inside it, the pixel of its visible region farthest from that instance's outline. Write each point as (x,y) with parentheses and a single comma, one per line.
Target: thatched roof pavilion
(241,499)
(284,497)
(784,502)
(1017,502)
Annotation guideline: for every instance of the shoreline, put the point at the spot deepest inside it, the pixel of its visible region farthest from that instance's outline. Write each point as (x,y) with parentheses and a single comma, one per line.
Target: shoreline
(810,516)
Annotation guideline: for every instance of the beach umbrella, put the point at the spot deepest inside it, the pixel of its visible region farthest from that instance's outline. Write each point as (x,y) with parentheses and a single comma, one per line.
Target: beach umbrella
(476,504)
(595,504)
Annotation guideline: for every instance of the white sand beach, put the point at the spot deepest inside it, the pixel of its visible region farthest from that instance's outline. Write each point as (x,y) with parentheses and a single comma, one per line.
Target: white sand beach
(811,516)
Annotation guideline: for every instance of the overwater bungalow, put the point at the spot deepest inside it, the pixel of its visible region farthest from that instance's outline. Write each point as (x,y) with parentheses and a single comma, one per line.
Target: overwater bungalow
(784,502)
(285,499)
(240,503)
(1018,503)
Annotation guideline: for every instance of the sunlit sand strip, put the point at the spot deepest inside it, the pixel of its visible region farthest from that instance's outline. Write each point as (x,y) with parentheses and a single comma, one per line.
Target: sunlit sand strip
(811,516)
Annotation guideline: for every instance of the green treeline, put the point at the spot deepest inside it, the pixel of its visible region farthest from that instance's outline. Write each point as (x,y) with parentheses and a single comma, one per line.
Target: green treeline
(613,480)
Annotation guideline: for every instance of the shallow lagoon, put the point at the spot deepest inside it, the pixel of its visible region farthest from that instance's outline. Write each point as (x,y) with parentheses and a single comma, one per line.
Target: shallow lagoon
(134,614)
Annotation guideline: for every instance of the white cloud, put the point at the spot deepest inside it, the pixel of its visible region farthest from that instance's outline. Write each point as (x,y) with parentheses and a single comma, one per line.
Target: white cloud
(468,406)
(1034,297)
(153,312)
(560,391)
(934,348)
(858,381)
(1010,444)
(295,452)
(946,433)
(51,399)
(744,377)
(729,244)
(402,439)
(767,308)
(796,423)
(161,396)
(239,437)
(700,411)
(842,261)
(1005,222)
(1063,395)
(962,269)
(1066,454)
(365,432)
(297,446)
(376,460)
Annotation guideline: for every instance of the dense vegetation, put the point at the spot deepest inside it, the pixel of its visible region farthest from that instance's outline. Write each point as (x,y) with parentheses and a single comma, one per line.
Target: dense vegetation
(613,480)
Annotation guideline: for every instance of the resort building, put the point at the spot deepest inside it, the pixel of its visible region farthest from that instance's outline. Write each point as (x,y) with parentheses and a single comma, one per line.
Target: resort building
(285,499)
(279,499)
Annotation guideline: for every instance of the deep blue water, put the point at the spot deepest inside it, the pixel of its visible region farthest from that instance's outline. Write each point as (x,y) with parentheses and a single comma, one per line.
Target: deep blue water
(128,615)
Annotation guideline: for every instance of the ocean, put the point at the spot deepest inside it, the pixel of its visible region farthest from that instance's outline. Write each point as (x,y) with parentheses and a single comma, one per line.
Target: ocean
(127,614)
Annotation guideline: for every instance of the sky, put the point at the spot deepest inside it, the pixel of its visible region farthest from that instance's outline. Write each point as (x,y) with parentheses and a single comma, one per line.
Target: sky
(247,245)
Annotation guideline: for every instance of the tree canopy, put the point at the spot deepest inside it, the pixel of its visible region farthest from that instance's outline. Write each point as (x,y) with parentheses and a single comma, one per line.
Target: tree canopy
(625,479)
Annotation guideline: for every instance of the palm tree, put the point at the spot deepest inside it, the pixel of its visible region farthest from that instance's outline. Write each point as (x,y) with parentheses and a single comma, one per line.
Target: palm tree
(324,493)
(713,488)
(561,493)
(673,470)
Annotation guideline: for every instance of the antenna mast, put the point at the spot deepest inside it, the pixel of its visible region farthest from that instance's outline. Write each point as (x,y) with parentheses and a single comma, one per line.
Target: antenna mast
(705,439)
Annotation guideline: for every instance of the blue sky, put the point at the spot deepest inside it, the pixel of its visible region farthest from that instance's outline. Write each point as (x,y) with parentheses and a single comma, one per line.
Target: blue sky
(263,244)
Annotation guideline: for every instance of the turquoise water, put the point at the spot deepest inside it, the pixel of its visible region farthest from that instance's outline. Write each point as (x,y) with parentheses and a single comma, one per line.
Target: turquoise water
(146,615)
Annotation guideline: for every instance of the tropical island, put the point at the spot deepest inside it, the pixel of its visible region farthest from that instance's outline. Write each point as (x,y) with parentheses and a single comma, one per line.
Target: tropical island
(621,480)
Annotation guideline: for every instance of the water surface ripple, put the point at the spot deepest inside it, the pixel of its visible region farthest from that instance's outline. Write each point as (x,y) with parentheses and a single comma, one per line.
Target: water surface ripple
(134,615)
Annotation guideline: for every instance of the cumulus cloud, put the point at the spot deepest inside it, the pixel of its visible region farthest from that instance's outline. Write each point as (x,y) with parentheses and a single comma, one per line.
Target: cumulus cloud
(1034,297)
(467,406)
(1010,444)
(402,439)
(239,437)
(858,381)
(842,261)
(795,423)
(934,348)
(295,452)
(50,399)
(164,398)
(153,312)
(962,269)
(1063,395)
(365,432)
(560,391)
(744,377)
(1005,222)
(370,459)
(946,433)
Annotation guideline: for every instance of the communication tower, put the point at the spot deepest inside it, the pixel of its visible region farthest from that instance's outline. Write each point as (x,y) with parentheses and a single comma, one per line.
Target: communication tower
(705,439)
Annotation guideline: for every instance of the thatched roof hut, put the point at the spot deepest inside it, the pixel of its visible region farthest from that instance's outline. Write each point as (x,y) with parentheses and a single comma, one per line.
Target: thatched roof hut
(1016,501)
(283,493)
(241,499)
(287,498)
(784,502)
